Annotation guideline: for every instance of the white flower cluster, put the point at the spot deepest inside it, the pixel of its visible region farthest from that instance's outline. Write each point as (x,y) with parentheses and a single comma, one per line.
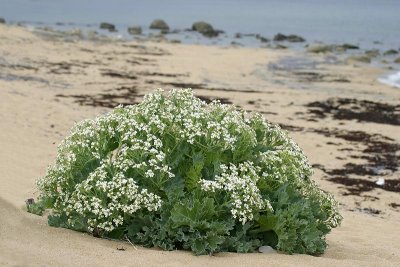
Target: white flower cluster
(240,183)
(109,199)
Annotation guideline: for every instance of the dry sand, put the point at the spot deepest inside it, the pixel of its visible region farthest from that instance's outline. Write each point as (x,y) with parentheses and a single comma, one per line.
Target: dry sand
(47,84)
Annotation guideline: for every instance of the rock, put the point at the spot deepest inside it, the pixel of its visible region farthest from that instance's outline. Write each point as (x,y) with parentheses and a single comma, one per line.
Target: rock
(233,43)
(319,48)
(290,38)
(345,47)
(262,38)
(280,37)
(135,30)
(108,26)
(279,46)
(390,52)
(238,35)
(2,21)
(159,24)
(205,28)
(295,38)
(266,250)
(358,58)
(397,60)
(372,53)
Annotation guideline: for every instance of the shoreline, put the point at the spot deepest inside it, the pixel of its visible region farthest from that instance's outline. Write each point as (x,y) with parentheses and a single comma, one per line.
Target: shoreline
(340,115)
(339,52)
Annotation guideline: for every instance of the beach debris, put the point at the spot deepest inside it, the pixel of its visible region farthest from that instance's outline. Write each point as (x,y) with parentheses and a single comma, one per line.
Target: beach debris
(390,52)
(361,110)
(205,28)
(159,24)
(380,181)
(108,26)
(2,21)
(266,250)
(319,48)
(289,38)
(135,30)
(358,58)
(121,248)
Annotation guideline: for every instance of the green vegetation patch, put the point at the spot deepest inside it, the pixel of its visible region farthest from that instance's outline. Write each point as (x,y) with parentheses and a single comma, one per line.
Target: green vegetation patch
(176,173)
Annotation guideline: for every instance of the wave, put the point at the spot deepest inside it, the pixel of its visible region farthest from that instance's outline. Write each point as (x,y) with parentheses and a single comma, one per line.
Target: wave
(391,79)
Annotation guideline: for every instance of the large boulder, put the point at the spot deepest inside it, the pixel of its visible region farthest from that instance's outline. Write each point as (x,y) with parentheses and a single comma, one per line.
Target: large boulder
(2,21)
(289,38)
(159,24)
(108,26)
(319,48)
(205,28)
(135,30)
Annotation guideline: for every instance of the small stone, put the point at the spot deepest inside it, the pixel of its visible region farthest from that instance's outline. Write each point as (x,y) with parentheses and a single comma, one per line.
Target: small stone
(266,250)
(2,21)
(380,181)
(397,60)
(108,26)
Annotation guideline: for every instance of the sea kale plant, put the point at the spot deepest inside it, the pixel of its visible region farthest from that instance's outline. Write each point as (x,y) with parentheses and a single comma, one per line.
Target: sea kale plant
(177,173)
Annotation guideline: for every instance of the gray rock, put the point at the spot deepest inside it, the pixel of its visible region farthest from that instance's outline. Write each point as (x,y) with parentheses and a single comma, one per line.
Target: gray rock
(290,38)
(108,26)
(159,24)
(319,48)
(205,28)
(135,30)
(2,21)
(390,52)
(358,58)
(266,250)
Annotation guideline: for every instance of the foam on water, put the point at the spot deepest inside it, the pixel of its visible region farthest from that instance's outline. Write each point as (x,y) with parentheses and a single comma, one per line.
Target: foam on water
(391,79)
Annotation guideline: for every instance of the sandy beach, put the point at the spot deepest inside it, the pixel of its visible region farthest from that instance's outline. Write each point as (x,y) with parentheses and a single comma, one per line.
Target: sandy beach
(341,116)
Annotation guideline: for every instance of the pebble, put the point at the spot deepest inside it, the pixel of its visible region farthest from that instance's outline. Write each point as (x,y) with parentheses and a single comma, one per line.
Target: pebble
(266,250)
